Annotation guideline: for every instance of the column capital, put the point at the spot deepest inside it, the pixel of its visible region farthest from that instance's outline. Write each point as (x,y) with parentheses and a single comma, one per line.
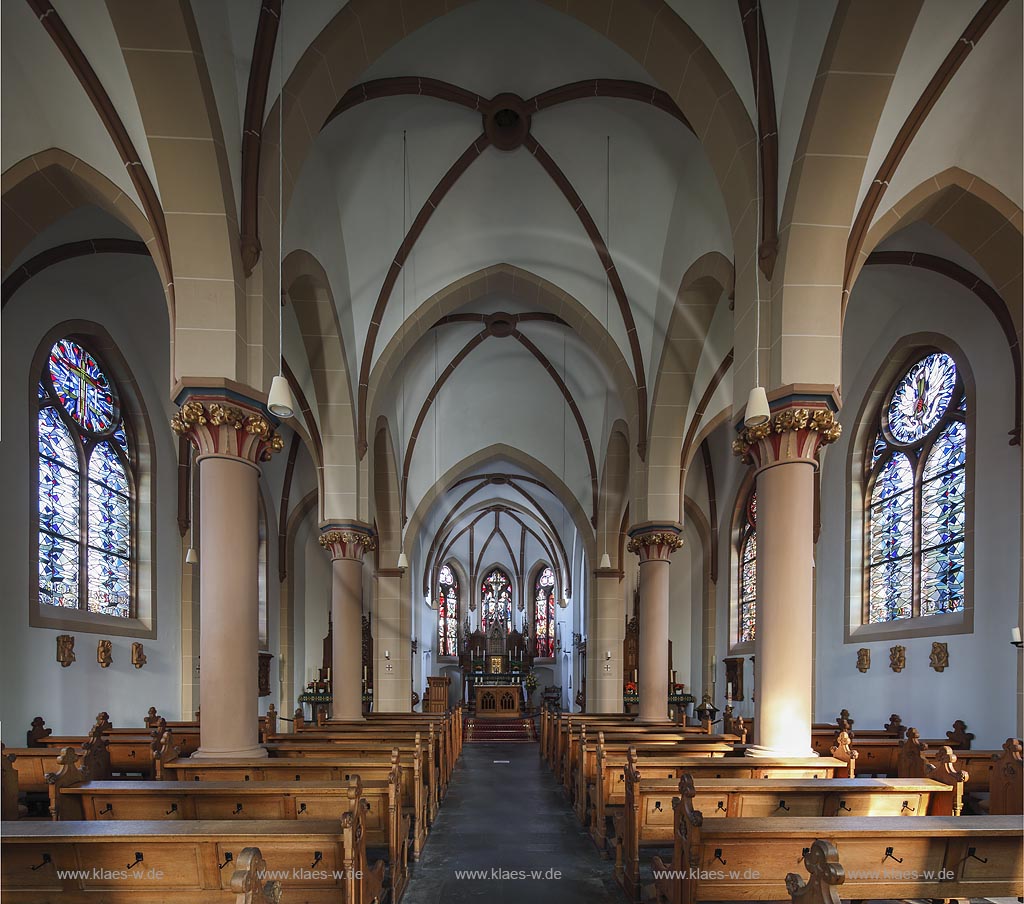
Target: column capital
(227,425)
(655,540)
(795,432)
(348,540)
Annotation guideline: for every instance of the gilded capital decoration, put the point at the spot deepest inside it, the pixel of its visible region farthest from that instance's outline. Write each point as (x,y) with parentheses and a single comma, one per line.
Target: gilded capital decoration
(654,542)
(793,433)
(217,428)
(348,542)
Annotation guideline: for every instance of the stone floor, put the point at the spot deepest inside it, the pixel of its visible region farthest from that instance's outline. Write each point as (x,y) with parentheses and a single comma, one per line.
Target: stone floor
(509,816)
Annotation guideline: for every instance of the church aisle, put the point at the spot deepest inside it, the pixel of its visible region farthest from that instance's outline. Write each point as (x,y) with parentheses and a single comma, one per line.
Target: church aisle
(513,817)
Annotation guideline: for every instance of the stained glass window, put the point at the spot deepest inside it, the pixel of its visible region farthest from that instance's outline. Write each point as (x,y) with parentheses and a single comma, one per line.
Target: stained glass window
(447,612)
(544,611)
(496,600)
(748,571)
(916,490)
(85,486)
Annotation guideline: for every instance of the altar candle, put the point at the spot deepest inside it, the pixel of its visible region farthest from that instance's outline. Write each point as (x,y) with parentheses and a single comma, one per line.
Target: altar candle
(364,673)
(728,691)
(673,677)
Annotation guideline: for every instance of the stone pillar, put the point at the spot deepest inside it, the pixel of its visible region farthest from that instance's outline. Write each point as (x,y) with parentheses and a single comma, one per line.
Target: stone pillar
(654,543)
(231,436)
(783,453)
(347,543)
(606,623)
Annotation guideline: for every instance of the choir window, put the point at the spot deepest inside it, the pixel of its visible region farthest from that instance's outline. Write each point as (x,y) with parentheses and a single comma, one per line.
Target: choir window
(747,578)
(86,487)
(496,599)
(915,496)
(544,612)
(447,612)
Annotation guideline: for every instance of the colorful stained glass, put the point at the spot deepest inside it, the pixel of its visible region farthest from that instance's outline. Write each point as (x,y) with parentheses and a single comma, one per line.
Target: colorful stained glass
(923,504)
(82,387)
(544,612)
(748,589)
(105,539)
(922,397)
(496,599)
(447,612)
(58,571)
(109,588)
(942,579)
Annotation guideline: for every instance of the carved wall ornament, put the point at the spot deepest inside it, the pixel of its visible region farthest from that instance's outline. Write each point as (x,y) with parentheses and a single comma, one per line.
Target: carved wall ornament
(863,659)
(65,649)
(939,656)
(209,427)
(347,543)
(104,653)
(138,656)
(820,426)
(654,541)
(897,658)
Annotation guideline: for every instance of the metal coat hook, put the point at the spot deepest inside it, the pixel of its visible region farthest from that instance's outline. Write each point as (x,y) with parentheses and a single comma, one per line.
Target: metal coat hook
(317,857)
(302,808)
(842,806)
(174,809)
(906,806)
(138,859)
(237,810)
(657,806)
(782,806)
(889,854)
(721,806)
(718,856)
(107,809)
(46,859)
(228,857)
(971,853)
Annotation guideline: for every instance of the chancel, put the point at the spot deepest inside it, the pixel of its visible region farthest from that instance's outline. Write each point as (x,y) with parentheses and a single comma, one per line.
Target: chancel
(511,449)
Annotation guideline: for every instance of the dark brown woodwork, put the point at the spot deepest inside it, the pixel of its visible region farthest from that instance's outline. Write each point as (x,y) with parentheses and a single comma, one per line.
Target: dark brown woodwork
(734,675)
(68,251)
(252,129)
(86,75)
(263,673)
(977,27)
(709,476)
(282,528)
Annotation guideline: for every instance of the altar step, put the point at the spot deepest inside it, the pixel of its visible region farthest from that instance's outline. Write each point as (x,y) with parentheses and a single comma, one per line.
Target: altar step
(500,731)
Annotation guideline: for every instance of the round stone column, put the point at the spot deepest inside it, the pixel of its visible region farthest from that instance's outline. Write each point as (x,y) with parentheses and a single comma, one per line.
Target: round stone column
(654,543)
(783,453)
(231,436)
(347,544)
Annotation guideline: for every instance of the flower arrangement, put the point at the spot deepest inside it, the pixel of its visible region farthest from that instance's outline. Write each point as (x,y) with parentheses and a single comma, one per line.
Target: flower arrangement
(531,682)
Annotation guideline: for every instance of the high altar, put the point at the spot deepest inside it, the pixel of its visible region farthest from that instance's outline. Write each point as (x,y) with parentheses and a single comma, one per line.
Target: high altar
(494,665)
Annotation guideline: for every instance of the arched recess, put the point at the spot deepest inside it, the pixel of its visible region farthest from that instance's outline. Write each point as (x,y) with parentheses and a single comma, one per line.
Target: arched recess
(42,188)
(975,215)
(533,291)
(387,506)
(701,289)
(514,582)
(309,290)
(848,96)
(500,452)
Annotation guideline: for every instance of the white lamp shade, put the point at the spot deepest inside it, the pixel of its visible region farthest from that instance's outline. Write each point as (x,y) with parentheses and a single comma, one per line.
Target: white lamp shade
(606,561)
(280,401)
(757,412)
(192,556)
(403,560)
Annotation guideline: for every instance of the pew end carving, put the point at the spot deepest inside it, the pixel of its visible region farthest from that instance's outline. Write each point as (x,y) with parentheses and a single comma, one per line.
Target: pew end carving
(1006,790)
(842,750)
(825,873)
(37,732)
(247,880)
(71,772)
(9,808)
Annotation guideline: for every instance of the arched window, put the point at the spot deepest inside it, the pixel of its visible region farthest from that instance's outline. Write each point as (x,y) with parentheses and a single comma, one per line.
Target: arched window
(747,583)
(544,611)
(447,612)
(915,495)
(496,599)
(86,487)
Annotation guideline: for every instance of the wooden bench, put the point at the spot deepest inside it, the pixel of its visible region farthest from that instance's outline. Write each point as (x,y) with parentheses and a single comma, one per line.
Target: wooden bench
(732,859)
(610,784)
(164,862)
(33,763)
(313,769)
(75,798)
(647,819)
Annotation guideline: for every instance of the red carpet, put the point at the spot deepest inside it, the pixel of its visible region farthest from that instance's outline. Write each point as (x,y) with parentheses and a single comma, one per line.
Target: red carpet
(500,731)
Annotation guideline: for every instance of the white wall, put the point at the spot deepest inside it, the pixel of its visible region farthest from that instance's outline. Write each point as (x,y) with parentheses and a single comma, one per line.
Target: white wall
(122,294)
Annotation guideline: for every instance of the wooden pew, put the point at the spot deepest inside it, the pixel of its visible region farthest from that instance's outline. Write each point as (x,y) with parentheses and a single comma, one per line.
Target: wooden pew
(648,818)
(918,759)
(321,860)
(749,858)
(1006,790)
(584,772)
(825,872)
(9,806)
(33,763)
(75,798)
(610,784)
(311,769)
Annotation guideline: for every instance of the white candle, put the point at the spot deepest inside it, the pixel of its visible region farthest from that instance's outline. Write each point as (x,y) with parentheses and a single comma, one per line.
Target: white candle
(1015,635)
